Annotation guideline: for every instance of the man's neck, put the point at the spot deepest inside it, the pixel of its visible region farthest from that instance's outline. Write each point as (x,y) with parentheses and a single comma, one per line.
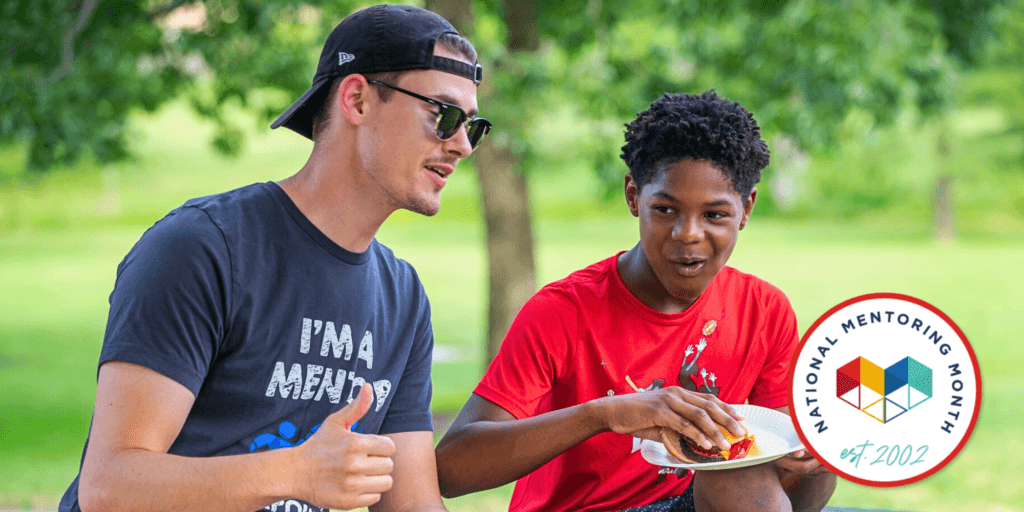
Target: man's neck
(328,190)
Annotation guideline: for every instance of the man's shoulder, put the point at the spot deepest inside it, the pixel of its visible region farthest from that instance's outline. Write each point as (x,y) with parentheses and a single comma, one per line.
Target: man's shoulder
(225,203)
(201,225)
(387,258)
(394,269)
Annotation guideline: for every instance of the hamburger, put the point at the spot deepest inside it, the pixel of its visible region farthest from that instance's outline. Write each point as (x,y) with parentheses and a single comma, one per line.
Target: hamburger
(686,450)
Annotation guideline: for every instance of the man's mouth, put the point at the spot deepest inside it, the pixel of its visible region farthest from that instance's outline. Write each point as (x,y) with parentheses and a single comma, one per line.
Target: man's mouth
(439,174)
(441,170)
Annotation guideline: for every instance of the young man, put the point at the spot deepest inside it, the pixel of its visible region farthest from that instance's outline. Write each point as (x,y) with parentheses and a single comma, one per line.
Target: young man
(649,343)
(263,350)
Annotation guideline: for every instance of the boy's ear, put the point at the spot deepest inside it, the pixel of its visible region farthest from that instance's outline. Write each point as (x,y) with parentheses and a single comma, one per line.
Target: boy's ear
(748,207)
(632,195)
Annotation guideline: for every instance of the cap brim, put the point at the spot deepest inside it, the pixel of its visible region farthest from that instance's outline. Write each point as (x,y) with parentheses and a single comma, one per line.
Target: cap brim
(299,116)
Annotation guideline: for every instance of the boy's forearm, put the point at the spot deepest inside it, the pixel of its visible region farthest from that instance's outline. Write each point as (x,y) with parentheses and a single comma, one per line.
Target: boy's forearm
(143,480)
(488,454)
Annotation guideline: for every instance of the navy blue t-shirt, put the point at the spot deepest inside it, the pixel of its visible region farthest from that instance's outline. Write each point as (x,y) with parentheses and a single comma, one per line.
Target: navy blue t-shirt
(273,326)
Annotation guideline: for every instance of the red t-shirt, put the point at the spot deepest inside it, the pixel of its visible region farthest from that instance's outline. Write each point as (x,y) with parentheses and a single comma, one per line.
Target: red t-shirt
(579,339)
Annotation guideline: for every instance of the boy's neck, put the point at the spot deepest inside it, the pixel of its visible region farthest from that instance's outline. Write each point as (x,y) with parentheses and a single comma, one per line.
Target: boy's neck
(641,280)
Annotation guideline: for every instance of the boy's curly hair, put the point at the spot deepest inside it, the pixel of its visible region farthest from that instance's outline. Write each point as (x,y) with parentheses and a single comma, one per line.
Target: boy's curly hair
(702,127)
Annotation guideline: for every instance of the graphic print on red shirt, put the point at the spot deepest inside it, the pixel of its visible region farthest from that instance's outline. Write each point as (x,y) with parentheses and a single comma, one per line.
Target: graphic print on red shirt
(586,336)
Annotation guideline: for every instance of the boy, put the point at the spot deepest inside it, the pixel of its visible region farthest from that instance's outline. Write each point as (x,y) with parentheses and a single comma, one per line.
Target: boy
(655,340)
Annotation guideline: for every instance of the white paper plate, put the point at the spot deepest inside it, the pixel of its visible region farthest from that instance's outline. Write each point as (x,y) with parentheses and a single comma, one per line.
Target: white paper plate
(774,431)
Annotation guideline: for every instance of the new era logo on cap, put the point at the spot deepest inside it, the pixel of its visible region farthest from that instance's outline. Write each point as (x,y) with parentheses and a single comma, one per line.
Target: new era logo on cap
(345,57)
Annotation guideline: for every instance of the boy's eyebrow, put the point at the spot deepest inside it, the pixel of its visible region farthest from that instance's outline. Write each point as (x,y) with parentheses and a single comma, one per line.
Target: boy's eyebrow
(720,202)
(670,197)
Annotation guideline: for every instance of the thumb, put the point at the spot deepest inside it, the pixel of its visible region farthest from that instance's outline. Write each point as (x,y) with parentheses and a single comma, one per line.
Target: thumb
(352,412)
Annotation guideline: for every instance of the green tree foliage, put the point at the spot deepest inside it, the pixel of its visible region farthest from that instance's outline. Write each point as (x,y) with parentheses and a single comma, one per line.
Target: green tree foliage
(801,66)
(73,70)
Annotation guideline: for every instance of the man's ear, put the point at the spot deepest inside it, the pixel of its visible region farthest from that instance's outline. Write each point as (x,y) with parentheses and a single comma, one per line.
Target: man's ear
(632,195)
(352,97)
(748,207)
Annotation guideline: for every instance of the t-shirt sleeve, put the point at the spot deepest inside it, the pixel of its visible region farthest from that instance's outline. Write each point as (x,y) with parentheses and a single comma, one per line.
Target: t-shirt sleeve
(168,307)
(409,410)
(533,354)
(772,386)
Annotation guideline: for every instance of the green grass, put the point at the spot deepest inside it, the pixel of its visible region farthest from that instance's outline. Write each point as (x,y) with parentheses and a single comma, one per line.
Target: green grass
(62,236)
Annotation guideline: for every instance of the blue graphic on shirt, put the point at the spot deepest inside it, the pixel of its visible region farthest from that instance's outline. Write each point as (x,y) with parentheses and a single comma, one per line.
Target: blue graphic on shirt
(287,431)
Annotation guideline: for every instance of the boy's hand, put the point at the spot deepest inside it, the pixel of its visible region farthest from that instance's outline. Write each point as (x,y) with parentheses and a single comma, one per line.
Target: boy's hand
(801,462)
(693,415)
(338,468)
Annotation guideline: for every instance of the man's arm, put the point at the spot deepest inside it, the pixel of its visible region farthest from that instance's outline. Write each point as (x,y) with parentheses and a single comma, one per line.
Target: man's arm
(415,476)
(487,446)
(139,414)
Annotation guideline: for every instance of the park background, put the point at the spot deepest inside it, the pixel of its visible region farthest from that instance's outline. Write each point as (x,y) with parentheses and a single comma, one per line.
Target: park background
(896,129)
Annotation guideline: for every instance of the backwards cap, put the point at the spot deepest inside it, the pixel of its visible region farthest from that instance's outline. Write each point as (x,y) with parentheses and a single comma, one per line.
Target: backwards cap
(374,40)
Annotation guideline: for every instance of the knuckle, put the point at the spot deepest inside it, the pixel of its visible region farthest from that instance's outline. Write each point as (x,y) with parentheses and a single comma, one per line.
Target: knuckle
(360,443)
(348,485)
(351,462)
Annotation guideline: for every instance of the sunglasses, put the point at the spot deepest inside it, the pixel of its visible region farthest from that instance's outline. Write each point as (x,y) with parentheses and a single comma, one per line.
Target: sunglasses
(449,117)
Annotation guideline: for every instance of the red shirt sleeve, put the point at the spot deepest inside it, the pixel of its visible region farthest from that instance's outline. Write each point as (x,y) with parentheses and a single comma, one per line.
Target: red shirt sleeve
(533,355)
(781,336)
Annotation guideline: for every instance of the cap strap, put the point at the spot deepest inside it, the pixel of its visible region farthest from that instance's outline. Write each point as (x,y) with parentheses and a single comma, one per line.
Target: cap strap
(474,72)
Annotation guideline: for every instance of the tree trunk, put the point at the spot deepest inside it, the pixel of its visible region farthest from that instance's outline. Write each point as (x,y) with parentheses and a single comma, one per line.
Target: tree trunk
(510,259)
(944,220)
(458,12)
(503,188)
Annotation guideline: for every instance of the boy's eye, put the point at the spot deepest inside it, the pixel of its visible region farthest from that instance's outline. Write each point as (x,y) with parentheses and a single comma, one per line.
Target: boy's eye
(661,209)
(716,215)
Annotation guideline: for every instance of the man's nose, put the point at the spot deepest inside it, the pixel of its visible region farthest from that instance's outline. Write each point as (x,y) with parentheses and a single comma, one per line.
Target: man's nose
(459,145)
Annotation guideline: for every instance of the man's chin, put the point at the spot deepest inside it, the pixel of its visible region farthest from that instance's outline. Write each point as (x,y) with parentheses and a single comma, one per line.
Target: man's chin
(428,208)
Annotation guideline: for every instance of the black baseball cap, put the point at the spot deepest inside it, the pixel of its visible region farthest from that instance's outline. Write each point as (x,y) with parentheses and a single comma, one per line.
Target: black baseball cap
(374,40)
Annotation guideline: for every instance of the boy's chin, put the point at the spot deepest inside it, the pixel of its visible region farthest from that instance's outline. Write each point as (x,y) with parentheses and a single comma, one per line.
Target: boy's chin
(685,294)
(685,289)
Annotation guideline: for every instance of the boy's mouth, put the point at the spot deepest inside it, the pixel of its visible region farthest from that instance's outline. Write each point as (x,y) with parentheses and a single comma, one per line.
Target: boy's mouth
(689,268)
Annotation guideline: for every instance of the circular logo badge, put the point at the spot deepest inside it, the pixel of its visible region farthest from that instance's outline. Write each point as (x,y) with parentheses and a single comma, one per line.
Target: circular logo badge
(884,389)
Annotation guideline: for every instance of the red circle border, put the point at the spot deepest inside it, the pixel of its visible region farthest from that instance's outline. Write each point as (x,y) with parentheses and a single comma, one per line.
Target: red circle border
(907,298)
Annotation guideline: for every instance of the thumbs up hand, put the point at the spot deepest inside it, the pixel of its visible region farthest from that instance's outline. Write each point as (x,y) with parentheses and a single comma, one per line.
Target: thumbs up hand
(342,469)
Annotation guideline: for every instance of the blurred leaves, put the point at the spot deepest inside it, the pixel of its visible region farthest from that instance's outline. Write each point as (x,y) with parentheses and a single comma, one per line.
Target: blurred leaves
(136,55)
(802,66)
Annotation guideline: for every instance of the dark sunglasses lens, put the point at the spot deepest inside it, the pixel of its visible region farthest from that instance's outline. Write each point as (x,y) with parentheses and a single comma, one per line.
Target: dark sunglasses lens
(476,129)
(448,122)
